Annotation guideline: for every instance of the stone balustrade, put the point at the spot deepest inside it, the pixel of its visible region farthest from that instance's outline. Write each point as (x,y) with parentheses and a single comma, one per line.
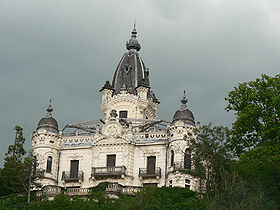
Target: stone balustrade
(152,173)
(110,171)
(67,176)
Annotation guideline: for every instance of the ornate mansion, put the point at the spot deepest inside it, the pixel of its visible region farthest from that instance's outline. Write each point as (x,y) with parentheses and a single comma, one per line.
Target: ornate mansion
(131,147)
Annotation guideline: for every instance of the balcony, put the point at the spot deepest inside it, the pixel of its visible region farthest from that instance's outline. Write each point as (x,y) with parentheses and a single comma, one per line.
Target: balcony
(179,166)
(146,173)
(39,173)
(72,177)
(108,172)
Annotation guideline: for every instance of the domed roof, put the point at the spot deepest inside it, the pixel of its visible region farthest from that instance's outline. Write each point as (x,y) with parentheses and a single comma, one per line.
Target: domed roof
(184,113)
(48,122)
(131,70)
(129,73)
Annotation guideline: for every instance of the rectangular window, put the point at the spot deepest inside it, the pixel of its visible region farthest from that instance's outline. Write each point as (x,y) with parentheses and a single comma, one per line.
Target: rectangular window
(123,114)
(187,184)
(151,165)
(74,168)
(170,183)
(111,160)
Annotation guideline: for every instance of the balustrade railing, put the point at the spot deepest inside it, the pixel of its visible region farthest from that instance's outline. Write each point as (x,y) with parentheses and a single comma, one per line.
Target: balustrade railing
(67,176)
(181,165)
(39,173)
(115,188)
(78,191)
(108,171)
(146,172)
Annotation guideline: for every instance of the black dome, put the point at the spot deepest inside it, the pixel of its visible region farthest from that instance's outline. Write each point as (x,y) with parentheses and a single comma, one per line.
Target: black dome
(48,122)
(131,71)
(184,113)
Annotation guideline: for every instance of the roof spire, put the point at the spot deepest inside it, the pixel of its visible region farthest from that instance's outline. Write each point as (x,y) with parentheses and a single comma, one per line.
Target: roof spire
(134,32)
(184,101)
(133,42)
(49,109)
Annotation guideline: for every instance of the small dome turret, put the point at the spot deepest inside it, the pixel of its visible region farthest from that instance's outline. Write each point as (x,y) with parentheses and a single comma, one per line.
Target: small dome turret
(184,113)
(48,122)
(133,42)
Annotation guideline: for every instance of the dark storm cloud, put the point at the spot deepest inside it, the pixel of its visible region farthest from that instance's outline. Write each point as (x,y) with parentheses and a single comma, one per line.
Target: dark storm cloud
(66,50)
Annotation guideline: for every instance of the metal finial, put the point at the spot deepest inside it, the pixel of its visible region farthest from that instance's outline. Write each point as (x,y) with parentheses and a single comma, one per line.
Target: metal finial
(184,101)
(134,32)
(49,109)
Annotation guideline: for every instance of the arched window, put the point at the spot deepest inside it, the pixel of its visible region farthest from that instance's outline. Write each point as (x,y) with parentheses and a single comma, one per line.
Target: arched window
(172,158)
(49,164)
(187,159)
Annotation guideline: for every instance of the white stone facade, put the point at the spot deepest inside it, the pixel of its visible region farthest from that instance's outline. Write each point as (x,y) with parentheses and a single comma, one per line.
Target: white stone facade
(136,150)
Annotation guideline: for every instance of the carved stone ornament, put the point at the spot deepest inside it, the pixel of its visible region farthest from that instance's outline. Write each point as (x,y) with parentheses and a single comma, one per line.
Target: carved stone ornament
(112,129)
(113,113)
(126,69)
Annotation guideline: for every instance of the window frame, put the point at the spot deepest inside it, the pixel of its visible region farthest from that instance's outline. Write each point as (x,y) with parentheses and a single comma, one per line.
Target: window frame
(49,164)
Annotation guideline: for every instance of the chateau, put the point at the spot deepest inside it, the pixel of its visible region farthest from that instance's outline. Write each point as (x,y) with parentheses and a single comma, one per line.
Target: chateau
(131,147)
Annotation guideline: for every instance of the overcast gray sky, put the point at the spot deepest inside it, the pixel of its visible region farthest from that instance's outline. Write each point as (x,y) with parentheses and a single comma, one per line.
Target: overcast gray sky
(66,50)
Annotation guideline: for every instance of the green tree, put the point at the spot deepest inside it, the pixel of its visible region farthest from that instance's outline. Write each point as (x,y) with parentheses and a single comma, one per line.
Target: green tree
(256,134)
(256,105)
(13,174)
(215,166)
(16,174)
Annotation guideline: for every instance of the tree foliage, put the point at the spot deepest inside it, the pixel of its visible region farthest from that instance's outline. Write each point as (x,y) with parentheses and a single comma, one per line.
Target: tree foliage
(148,198)
(222,185)
(256,134)
(256,105)
(16,173)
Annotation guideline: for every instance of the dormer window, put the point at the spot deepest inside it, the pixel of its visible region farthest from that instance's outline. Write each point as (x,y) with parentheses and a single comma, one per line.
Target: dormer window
(123,114)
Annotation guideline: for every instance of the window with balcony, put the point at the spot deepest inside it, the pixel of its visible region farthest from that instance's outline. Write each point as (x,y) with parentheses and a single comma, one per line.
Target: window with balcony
(74,175)
(110,170)
(49,164)
(187,159)
(151,171)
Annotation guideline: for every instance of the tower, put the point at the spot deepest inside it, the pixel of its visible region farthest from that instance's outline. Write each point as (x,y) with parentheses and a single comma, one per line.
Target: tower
(45,144)
(130,93)
(179,154)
